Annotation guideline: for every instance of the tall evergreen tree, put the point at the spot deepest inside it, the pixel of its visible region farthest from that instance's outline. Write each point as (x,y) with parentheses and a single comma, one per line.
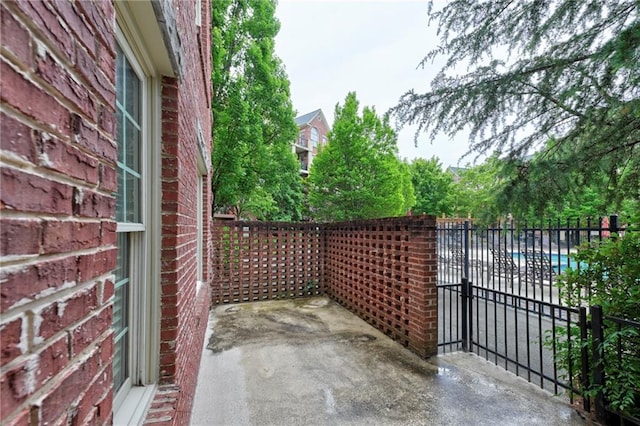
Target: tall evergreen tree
(254,170)
(358,174)
(572,75)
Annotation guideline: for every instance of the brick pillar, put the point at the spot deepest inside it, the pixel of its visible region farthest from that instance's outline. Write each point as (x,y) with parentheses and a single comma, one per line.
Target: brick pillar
(423,296)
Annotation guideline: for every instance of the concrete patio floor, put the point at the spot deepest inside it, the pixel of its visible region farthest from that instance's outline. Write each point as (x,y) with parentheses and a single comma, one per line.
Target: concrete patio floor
(312,362)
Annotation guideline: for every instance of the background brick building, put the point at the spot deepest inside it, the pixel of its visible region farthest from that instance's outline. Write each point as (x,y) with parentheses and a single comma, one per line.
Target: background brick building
(312,134)
(104,202)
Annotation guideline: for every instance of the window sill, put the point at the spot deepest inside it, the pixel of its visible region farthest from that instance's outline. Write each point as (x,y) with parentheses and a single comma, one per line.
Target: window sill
(135,404)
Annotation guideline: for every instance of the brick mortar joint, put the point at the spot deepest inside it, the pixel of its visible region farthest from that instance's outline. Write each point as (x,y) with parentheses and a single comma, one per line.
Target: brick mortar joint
(65,293)
(30,169)
(11,264)
(40,83)
(71,366)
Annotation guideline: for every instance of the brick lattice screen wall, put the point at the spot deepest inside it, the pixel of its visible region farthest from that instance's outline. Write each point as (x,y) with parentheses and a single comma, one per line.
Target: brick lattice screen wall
(261,261)
(385,272)
(382,270)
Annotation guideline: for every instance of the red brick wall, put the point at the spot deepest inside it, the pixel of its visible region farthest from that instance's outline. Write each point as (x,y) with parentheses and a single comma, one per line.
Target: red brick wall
(385,272)
(305,131)
(186,117)
(58,170)
(319,124)
(382,270)
(57,166)
(256,261)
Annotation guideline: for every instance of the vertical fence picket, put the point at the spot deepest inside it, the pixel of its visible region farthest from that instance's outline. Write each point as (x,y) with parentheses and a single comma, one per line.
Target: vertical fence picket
(597,333)
(584,356)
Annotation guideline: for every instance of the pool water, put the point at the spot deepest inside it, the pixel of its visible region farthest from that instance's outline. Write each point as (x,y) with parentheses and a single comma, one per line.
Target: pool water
(559,262)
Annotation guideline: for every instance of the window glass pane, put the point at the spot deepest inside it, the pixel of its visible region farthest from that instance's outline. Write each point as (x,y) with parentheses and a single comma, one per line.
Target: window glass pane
(132,189)
(132,102)
(128,110)
(120,135)
(132,155)
(119,74)
(120,372)
(122,259)
(121,311)
(120,208)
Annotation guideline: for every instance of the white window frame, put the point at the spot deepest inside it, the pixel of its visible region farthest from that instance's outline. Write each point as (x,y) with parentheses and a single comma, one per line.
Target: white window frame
(202,177)
(133,399)
(199,234)
(198,13)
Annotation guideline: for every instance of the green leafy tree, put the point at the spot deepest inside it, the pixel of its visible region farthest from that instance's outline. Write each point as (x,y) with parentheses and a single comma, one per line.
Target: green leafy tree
(478,189)
(358,174)
(254,171)
(406,186)
(434,188)
(566,70)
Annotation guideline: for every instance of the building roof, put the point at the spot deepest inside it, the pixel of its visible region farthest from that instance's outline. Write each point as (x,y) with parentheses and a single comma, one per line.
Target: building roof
(306,119)
(456,170)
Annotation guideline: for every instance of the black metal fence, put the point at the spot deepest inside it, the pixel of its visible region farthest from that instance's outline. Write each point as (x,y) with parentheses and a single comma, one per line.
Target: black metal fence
(497,298)
(616,359)
(522,259)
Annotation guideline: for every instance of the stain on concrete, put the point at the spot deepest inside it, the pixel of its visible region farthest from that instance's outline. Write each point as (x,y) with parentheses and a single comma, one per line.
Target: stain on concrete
(276,322)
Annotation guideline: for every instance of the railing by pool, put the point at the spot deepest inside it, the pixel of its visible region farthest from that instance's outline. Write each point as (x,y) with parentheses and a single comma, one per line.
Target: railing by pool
(517,257)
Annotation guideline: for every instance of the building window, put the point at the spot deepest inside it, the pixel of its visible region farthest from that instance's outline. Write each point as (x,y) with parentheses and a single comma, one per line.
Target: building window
(131,226)
(324,140)
(200,232)
(203,170)
(314,137)
(134,310)
(136,304)
(121,314)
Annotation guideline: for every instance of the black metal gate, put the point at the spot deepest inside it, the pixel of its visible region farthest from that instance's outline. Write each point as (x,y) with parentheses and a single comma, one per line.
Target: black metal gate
(497,299)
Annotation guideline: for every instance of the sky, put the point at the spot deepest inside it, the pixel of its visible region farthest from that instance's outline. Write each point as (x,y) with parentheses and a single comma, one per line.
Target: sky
(332,47)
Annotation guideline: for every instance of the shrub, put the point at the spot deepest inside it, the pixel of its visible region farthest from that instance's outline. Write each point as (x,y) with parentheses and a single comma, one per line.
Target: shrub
(611,279)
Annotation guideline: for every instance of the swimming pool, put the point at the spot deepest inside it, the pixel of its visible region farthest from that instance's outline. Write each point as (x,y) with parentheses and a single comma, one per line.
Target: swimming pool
(559,262)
